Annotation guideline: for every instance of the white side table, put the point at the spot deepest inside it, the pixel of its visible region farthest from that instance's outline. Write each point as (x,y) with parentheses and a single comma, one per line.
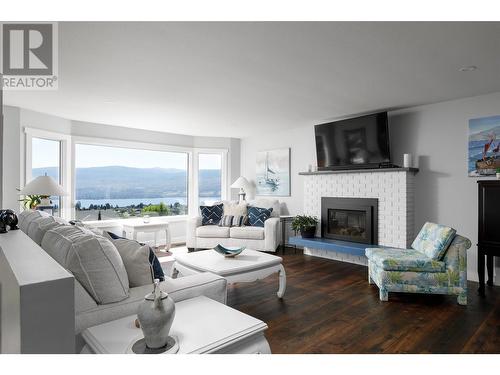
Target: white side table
(141,227)
(201,325)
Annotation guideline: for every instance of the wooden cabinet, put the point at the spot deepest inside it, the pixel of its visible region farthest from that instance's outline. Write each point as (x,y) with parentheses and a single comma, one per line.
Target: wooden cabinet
(489,228)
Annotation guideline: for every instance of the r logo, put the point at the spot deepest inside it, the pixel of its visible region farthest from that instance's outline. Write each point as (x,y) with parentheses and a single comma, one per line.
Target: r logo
(27,49)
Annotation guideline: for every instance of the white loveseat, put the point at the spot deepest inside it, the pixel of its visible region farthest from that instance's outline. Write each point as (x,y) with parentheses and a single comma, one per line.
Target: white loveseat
(90,313)
(255,238)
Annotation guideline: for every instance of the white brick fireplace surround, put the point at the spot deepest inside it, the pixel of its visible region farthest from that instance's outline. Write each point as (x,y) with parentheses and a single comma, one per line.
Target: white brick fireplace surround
(394,189)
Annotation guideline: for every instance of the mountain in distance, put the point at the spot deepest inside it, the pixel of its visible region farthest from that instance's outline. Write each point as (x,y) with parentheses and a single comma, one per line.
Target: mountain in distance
(117,182)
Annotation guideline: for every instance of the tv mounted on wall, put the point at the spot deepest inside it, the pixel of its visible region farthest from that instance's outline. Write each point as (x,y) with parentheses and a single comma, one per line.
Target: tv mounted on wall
(360,142)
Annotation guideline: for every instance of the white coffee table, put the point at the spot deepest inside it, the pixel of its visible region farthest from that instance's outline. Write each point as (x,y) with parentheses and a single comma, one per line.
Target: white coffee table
(249,266)
(135,227)
(201,325)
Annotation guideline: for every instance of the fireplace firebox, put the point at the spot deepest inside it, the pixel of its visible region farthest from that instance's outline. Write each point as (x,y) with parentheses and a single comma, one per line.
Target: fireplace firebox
(350,219)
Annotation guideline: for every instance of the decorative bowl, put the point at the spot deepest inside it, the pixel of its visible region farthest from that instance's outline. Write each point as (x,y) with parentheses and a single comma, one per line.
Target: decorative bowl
(229,251)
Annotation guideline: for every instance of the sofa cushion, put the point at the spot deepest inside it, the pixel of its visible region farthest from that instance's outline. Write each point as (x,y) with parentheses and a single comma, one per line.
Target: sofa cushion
(267,203)
(153,259)
(136,260)
(233,221)
(433,240)
(235,208)
(93,260)
(27,216)
(410,260)
(258,215)
(211,215)
(247,233)
(212,231)
(39,226)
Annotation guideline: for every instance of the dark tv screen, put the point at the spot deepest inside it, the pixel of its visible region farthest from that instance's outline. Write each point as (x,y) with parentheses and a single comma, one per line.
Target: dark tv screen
(361,142)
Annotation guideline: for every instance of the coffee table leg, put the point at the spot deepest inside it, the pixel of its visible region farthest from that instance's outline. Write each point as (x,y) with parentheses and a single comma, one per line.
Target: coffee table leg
(282,280)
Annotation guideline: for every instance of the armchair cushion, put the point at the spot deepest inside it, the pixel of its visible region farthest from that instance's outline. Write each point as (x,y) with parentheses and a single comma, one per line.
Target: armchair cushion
(390,259)
(433,240)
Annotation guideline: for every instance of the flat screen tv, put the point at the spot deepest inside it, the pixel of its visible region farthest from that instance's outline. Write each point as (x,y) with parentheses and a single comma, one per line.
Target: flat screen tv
(360,142)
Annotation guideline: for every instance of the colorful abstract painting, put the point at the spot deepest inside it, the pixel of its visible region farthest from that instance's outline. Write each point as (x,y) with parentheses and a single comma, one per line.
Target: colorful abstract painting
(484,146)
(273,172)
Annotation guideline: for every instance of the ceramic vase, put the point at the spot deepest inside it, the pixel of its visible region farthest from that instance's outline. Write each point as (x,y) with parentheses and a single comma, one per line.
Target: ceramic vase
(156,314)
(498,176)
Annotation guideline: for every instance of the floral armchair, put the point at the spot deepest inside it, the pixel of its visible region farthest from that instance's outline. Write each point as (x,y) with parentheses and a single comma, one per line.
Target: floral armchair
(436,264)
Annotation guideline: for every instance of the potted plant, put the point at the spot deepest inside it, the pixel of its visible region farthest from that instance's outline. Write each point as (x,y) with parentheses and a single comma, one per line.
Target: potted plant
(306,225)
(32,201)
(498,173)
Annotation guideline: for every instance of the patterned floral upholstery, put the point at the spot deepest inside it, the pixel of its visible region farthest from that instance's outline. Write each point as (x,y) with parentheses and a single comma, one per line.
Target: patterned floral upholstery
(433,240)
(383,271)
(390,259)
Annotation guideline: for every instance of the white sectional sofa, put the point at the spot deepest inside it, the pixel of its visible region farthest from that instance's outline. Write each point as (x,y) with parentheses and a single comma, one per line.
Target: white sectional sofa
(256,238)
(88,312)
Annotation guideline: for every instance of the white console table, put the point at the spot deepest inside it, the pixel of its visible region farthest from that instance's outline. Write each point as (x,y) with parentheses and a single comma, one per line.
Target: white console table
(152,227)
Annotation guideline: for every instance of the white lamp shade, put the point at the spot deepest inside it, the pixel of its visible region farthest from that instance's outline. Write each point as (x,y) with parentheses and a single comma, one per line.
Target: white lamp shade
(43,185)
(240,183)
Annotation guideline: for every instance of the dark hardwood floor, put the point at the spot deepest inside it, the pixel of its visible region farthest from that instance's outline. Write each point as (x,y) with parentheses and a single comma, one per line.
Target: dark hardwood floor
(329,307)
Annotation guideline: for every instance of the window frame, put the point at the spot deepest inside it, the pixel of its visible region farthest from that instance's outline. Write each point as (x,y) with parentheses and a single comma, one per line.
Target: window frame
(224,189)
(65,179)
(192,165)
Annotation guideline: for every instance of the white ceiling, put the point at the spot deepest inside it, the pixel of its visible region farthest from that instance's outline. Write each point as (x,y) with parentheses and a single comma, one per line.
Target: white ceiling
(242,79)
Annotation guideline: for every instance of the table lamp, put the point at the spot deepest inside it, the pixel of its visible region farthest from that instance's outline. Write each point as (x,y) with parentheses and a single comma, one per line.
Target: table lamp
(241,183)
(44,186)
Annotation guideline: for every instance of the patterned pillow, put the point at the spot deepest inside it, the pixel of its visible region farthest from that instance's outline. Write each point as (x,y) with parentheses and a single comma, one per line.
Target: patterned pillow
(233,221)
(433,240)
(257,216)
(211,215)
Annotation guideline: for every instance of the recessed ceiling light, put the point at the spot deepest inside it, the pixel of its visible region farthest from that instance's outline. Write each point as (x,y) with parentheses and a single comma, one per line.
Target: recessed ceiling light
(469,68)
(109,102)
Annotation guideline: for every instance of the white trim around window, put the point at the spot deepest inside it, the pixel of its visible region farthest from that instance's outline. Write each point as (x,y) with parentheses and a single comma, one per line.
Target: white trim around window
(65,170)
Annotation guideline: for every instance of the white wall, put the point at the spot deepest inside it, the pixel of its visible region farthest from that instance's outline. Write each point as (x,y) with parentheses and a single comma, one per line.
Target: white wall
(436,134)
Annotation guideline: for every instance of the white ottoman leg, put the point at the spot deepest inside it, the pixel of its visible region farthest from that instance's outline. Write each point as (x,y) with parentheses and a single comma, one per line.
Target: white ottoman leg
(282,280)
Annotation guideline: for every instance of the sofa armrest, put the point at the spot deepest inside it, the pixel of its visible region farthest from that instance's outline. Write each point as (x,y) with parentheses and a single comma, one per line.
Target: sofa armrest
(272,233)
(192,224)
(203,284)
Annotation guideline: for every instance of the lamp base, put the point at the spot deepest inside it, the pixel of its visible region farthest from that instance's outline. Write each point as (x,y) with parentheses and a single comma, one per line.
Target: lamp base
(242,196)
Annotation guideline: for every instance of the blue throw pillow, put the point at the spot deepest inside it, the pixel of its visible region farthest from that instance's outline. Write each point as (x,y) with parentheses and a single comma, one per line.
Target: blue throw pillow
(153,259)
(211,215)
(257,216)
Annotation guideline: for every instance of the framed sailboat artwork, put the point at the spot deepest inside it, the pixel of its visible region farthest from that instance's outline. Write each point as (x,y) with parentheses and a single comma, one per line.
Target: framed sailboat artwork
(484,146)
(273,173)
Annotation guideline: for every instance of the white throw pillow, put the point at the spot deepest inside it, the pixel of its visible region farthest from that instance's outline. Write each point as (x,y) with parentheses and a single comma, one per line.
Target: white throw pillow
(136,260)
(93,260)
(235,209)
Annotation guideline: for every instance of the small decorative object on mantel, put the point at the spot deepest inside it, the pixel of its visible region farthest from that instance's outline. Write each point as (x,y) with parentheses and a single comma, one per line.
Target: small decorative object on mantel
(498,173)
(155,315)
(407,162)
(484,146)
(229,252)
(306,225)
(8,218)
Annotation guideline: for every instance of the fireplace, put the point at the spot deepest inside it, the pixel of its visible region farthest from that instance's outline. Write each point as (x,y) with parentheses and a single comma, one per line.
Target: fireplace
(350,219)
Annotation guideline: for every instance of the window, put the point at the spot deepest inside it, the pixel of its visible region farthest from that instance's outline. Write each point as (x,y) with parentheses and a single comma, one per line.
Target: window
(209,178)
(46,160)
(115,182)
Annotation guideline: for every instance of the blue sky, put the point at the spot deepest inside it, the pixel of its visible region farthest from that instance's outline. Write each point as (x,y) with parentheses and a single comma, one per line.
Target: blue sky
(46,154)
(480,124)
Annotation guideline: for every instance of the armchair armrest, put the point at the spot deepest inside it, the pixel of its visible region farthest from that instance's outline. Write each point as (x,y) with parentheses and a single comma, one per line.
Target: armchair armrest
(271,233)
(456,260)
(192,224)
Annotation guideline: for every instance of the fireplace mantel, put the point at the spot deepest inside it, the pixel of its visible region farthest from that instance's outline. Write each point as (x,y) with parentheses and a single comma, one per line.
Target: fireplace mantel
(376,170)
